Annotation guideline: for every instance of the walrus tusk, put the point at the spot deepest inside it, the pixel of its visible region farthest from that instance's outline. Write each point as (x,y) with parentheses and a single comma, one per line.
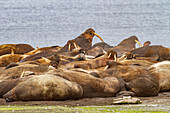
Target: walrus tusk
(22,74)
(12,50)
(75,45)
(98,37)
(115,58)
(69,46)
(106,67)
(109,55)
(122,58)
(46,60)
(63,60)
(36,50)
(89,57)
(138,43)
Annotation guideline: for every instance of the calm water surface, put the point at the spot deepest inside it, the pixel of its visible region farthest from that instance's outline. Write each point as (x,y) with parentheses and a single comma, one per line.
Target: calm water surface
(52,22)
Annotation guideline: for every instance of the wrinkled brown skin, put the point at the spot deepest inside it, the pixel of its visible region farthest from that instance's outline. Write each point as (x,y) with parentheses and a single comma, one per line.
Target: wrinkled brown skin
(41,52)
(103,45)
(96,51)
(143,63)
(89,64)
(72,53)
(38,56)
(10,58)
(18,48)
(15,72)
(84,41)
(139,80)
(44,49)
(7,85)
(125,46)
(92,86)
(93,63)
(44,87)
(157,53)
(162,71)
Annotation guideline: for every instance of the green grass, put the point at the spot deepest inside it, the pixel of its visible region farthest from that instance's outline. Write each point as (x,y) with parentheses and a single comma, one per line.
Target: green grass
(80,109)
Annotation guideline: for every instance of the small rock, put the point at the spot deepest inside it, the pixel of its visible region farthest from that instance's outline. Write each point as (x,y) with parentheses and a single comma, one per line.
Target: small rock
(127,100)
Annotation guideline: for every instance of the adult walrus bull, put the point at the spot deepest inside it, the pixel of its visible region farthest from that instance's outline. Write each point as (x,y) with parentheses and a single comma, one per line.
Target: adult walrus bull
(83,41)
(45,87)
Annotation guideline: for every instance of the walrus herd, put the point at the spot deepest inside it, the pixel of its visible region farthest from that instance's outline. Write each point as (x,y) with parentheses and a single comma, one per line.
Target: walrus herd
(80,70)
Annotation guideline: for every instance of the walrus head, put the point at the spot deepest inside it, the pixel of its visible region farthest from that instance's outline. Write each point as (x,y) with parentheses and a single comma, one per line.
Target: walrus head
(130,43)
(147,43)
(112,55)
(89,34)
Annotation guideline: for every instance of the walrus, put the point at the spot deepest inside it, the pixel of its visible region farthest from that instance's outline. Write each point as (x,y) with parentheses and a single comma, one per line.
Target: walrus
(7,85)
(92,86)
(95,52)
(126,45)
(44,49)
(17,48)
(10,58)
(83,41)
(38,56)
(16,71)
(162,71)
(157,53)
(103,45)
(135,62)
(138,78)
(80,55)
(93,63)
(44,87)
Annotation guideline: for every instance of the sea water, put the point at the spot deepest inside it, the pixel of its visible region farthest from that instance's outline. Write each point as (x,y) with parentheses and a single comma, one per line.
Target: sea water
(43,23)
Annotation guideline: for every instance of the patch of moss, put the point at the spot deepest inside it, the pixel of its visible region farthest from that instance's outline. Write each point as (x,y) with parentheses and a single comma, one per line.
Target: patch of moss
(79,109)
